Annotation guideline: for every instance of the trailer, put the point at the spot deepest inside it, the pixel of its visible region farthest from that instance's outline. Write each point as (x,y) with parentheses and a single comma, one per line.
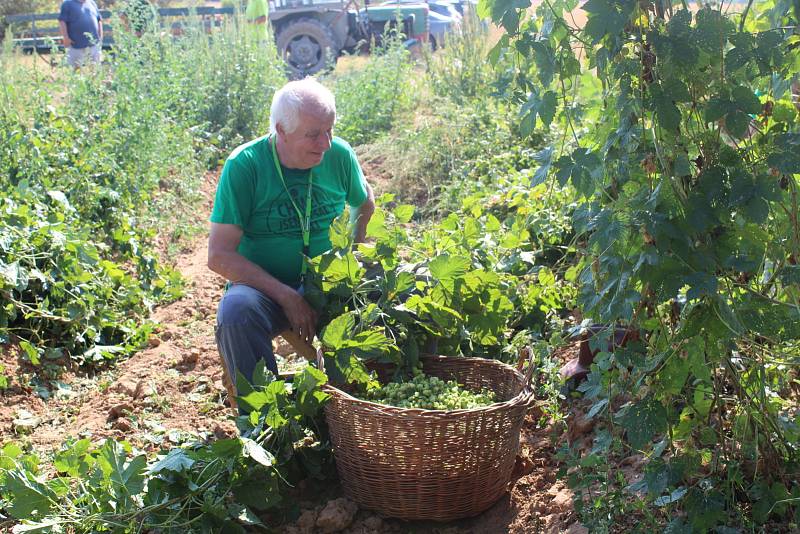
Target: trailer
(38,32)
(310,35)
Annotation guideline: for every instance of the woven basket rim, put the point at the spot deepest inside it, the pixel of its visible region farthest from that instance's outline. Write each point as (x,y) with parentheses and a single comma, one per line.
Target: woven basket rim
(525,395)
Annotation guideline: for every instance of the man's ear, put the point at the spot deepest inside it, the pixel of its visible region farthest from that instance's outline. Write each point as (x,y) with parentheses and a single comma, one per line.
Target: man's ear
(280,131)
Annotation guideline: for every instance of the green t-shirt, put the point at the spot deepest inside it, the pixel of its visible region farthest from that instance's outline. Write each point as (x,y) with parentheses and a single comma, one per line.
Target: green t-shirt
(254,10)
(250,195)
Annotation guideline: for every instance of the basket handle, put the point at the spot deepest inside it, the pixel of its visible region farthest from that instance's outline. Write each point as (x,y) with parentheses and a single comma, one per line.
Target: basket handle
(304,349)
(526,353)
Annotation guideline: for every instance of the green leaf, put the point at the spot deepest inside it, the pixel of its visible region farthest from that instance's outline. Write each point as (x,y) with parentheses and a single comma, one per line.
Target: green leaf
(678,526)
(508,12)
(376,227)
(338,331)
(131,478)
(712,30)
(606,18)
(642,421)
(681,166)
(705,509)
(251,449)
(497,49)
(745,100)
(446,268)
(545,159)
(254,401)
(309,379)
(701,284)
(127,478)
(403,213)
(261,375)
(30,351)
(176,461)
(669,116)
(37,526)
(244,515)
(11,451)
(545,59)
(671,498)
(73,460)
(674,374)
(340,232)
(29,499)
(582,167)
(485,8)
(9,273)
(717,107)
(737,123)
(786,153)
(226,448)
(736,107)
(339,269)
(397,284)
(243,386)
(60,198)
(676,90)
(371,343)
(543,106)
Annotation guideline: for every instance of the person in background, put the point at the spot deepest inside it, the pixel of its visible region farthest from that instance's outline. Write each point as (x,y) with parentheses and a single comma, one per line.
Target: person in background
(82,31)
(276,200)
(256,15)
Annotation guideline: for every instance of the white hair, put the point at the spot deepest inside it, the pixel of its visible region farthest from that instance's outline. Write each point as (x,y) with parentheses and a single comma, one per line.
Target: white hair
(295,96)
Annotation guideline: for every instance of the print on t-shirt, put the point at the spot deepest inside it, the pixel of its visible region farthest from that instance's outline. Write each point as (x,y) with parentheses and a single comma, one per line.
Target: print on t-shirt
(282,218)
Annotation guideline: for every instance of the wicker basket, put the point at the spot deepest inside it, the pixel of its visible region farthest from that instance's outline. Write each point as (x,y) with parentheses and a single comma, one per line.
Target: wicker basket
(431,464)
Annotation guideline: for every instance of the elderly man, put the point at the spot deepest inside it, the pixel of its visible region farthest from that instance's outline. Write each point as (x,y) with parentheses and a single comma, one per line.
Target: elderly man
(275,203)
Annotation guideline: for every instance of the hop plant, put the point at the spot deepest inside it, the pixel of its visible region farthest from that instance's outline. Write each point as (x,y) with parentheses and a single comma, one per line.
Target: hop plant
(430,393)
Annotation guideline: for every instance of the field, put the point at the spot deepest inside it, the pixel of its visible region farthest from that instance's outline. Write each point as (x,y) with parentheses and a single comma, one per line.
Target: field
(621,179)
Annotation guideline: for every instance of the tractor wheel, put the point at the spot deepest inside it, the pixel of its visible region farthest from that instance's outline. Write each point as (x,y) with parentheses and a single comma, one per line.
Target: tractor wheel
(307,46)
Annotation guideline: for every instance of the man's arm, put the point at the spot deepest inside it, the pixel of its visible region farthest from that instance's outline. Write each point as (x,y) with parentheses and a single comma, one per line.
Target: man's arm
(62,26)
(363,214)
(99,27)
(224,260)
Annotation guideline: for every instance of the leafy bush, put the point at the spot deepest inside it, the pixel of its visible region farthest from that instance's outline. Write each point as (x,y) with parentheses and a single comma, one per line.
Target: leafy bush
(218,487)
(459,71)
(88,172)
(370,100)
(684,156)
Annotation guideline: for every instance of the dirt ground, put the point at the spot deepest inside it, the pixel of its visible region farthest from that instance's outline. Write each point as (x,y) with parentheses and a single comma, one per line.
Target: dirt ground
(173,390)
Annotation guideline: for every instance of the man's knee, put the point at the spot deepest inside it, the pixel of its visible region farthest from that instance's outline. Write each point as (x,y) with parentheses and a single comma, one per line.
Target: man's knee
(239,306)
(245,306)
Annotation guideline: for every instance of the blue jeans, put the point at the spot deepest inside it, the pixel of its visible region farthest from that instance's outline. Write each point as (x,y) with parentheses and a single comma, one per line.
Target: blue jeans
(247,320)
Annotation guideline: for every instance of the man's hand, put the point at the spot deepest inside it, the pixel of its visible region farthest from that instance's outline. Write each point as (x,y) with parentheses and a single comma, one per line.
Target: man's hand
(302,317)
(362,215)
(223,258)
(62,27)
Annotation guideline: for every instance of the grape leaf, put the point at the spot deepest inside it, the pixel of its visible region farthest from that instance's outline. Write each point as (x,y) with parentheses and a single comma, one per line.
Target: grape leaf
(605,18)
(642,421)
